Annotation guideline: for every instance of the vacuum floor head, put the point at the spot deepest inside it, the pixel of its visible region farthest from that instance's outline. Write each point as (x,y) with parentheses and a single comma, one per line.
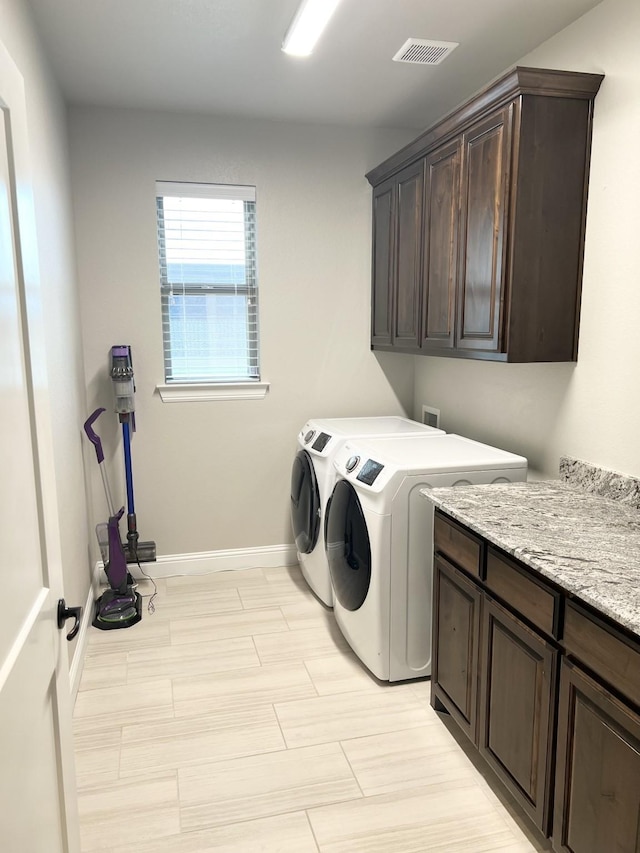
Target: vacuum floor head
(117,610)
(140,552)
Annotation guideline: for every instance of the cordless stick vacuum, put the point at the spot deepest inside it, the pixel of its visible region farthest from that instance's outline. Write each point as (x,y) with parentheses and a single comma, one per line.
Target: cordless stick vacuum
(124,389)
(120,606)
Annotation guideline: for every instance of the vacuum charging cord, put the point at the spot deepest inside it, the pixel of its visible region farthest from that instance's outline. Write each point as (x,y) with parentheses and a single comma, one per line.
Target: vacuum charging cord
(151,608)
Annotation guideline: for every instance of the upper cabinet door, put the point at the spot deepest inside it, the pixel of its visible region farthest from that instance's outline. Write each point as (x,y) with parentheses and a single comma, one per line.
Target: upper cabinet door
(442,216)
(410,190)
(384,210)
(485,194)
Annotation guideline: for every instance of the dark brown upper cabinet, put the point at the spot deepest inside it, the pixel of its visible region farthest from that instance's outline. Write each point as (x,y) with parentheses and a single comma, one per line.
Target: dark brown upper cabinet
(440,259)
(397,249)
(478,225)
(384,240)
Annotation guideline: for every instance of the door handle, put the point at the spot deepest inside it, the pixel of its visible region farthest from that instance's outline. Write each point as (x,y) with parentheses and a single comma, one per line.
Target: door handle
(65,613)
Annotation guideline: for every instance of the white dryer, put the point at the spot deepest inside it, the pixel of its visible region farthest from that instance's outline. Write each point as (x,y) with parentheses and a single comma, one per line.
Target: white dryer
(312,479)
(379,540)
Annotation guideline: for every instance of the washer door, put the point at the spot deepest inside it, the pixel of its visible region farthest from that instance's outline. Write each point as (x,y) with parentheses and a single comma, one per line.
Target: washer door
(305,503)
(347,546)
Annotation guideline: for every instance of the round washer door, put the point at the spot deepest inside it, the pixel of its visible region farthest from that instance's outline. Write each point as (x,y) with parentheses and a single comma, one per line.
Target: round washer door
(305,503)
(347,546)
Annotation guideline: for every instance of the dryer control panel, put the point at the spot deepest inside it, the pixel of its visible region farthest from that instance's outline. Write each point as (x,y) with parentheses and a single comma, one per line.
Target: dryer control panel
(369,472)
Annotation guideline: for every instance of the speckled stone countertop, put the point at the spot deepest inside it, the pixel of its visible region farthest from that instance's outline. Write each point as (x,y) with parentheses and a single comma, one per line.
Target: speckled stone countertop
(587,544)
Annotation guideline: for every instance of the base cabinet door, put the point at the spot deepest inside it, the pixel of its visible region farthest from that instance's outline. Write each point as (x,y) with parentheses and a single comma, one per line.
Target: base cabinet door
(456,629)
(517,688)
(597,798)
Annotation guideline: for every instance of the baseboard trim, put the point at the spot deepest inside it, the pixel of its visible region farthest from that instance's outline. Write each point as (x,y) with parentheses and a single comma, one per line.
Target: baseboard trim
(206,562)
(75,670)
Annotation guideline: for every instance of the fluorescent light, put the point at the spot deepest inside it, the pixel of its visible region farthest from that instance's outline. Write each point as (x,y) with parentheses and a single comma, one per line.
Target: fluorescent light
(307,26)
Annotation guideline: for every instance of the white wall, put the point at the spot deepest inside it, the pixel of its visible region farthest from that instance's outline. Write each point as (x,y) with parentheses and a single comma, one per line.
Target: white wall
(590,410)
(215,475)
(46,117)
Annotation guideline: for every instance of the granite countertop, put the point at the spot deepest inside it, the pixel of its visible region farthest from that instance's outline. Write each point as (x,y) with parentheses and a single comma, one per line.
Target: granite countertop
(587,544)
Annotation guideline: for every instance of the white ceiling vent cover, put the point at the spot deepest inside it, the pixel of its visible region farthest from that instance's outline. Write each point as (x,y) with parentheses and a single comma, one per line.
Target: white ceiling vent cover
(424,51)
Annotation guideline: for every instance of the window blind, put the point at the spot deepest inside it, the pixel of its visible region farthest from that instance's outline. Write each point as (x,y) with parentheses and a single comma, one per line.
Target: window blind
(208,284)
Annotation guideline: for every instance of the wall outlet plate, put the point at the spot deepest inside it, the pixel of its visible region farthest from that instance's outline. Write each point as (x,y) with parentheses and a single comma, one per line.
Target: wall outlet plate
(431,416)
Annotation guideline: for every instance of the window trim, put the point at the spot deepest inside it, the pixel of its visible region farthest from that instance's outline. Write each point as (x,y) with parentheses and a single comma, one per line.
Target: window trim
(193,392)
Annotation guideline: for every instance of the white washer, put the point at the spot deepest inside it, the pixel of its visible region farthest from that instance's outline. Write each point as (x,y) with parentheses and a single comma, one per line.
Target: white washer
(379,535)
(312,479)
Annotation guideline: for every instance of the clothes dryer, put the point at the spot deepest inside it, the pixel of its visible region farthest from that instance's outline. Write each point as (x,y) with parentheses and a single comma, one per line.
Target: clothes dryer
(312,479)
(379,540)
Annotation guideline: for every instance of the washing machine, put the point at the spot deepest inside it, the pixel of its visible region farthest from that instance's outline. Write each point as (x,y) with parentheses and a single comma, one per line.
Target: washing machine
(379,540)
(312,479)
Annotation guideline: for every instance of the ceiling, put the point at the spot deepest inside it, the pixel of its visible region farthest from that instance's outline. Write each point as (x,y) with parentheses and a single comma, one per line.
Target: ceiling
(223,56)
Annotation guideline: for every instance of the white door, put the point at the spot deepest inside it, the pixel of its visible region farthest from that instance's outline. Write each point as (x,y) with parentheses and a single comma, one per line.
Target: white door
(38,811)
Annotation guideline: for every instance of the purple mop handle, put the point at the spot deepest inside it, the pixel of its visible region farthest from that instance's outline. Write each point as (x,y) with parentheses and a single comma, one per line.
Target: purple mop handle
(91,435)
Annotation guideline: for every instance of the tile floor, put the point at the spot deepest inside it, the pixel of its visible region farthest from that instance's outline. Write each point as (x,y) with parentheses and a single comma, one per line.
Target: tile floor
(235,718)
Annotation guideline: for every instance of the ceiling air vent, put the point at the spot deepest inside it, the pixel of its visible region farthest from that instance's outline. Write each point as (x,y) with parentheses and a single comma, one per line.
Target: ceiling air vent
(424,51)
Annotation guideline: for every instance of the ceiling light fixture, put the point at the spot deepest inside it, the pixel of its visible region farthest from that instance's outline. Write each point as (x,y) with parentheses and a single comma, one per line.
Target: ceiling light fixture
(307,26)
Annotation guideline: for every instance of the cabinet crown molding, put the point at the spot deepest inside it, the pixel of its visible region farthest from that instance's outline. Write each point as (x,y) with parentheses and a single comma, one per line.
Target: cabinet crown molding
(520,80)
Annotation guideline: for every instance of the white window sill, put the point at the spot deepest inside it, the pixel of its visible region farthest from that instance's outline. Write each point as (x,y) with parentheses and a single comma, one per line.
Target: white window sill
(177,392)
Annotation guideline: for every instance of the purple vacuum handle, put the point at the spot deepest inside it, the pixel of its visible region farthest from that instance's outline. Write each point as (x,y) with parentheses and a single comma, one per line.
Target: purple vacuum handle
(91,435)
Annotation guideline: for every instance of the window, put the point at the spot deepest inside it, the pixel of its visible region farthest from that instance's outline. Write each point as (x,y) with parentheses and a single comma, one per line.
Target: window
(209,291)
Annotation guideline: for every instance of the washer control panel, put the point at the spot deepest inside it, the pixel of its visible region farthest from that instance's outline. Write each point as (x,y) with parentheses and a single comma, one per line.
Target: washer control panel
(309,435)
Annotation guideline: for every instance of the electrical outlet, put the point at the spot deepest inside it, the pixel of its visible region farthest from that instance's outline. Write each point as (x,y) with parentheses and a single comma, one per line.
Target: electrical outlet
(431,416)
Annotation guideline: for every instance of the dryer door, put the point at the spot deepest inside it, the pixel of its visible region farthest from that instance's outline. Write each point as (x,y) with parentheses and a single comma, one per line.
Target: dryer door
(347,546)
(305,503)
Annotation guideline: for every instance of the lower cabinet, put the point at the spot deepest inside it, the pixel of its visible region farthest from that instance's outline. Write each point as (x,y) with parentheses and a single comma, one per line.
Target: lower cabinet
(546,688)
(597,798)
(456,625)
(517,687)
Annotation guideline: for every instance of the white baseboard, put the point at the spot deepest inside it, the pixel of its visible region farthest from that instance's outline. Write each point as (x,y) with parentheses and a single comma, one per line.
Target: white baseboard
(205,562)
(75,670)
